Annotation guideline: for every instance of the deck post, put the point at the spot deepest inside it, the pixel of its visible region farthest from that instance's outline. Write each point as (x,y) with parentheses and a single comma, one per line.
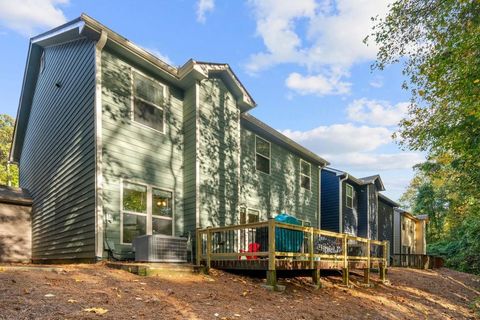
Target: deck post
(310,247)
(209,248)
(316,277)
(383,265)
(366,272)
(345,271)
(271,272)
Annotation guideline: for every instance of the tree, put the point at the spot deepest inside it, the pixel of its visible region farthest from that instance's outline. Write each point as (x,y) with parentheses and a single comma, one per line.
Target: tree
(438,43)
(8,172)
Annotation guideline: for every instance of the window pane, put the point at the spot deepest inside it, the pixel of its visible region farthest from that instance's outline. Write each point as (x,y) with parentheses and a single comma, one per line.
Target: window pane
(148,90)
(162,203)
(262,147)
(263,164)
(148,115)
(133,226)
(253,216)
(134,197)
(305,182)
(349,202)
(305,168)
(349,191)
(162,226)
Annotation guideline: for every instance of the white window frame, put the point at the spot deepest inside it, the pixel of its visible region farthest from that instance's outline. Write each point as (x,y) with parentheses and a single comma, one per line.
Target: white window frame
(261,155)
(247,209)
(133,97)
(347,196)
(148,215)
(308,176)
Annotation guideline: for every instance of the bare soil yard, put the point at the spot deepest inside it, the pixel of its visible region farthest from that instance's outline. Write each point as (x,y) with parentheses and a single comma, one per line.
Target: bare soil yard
(68,292)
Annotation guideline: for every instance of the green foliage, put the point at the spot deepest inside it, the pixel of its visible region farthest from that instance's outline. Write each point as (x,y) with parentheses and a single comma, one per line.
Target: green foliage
(438,43)
(7,172)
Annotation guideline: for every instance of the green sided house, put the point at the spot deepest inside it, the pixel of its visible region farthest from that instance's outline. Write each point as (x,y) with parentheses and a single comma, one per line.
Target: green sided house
(114,144)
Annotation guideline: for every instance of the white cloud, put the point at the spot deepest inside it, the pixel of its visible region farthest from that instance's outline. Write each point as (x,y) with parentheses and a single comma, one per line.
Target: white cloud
(31,16)
(376,83)
(204,6)
(341,138)
(317,84)
(159,55)
(376,112)
(333,39)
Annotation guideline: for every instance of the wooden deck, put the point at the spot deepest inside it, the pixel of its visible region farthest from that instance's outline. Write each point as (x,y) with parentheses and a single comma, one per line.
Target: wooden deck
(273,246)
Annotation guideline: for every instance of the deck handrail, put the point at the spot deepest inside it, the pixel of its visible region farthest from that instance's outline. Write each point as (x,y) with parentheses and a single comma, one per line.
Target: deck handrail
(272,254)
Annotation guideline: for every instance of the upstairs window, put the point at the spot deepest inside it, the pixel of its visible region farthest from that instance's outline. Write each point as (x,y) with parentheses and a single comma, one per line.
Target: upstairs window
(305,175)
(349,196)
(148,100)
(262,155)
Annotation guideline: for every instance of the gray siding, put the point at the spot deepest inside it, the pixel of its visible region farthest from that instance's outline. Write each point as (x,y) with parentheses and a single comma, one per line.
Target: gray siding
(190,158)
(218,154)
(363,212)
(373,212)
(279,191)
(397,225)
(329,203)
(135,152)
(385,222)
(57,164)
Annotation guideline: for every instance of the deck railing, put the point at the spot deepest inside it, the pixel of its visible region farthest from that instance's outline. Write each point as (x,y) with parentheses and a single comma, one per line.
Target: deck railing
(273,242)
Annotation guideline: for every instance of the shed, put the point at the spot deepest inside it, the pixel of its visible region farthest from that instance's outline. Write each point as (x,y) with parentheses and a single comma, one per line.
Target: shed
(15,225)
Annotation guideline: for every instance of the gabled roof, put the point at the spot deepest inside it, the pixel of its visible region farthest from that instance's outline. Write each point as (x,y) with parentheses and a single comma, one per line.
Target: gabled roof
(250,121)
(388,200)
(411,216)
(375,179)
(87,27)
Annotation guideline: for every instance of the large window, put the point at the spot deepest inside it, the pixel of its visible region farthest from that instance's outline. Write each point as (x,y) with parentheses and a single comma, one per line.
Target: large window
(262,155)
(349,196)
(148,101)
(305,175)
(145,210)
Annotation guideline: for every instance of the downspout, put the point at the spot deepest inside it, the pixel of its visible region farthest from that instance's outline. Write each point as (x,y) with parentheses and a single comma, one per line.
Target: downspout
(99,217)
(340,202)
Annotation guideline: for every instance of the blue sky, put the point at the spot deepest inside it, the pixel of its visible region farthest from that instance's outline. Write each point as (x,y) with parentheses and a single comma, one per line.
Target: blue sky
(303,61)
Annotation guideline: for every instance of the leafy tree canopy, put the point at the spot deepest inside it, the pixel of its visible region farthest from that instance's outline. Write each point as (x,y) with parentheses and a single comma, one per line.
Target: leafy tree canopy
(7,172)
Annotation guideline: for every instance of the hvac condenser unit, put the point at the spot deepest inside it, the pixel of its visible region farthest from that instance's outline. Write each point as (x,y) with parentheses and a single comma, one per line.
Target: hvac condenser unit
(160,248)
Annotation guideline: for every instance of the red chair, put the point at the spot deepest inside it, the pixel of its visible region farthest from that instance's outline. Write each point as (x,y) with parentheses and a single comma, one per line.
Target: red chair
(252,247)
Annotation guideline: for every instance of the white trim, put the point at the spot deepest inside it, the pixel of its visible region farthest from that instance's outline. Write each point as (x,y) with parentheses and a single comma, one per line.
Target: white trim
(259,213)
(309,177)
(133,97)
(197,160)
(340,204)
(80,25)
(149,216)
(269,158)
(99,216)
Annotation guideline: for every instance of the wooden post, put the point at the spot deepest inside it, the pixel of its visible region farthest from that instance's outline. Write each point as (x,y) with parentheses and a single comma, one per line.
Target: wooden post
(271,273)
(199,246)
(366,274)
(310,247)
(345,271)
(209,248)
(383,266)
(316,277)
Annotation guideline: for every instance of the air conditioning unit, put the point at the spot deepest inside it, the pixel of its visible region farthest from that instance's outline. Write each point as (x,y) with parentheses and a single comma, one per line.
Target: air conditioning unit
(160,248)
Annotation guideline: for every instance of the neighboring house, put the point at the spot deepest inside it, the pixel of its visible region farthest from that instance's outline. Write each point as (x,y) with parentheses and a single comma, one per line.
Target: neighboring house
(409,233)
(113,143)
(386,208)
(348,204)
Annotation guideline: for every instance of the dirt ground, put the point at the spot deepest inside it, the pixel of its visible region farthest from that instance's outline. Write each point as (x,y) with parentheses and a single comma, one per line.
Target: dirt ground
(71,290)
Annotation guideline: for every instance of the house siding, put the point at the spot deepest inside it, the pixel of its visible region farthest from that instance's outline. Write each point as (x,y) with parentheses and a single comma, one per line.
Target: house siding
(373,212)
(57,163)
(134,152)
(385,222)
(218,153)
(329,201)
(363,212)
(279,191)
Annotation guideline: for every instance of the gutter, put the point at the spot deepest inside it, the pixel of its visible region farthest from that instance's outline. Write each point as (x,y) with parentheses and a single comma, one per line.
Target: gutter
(340,202)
